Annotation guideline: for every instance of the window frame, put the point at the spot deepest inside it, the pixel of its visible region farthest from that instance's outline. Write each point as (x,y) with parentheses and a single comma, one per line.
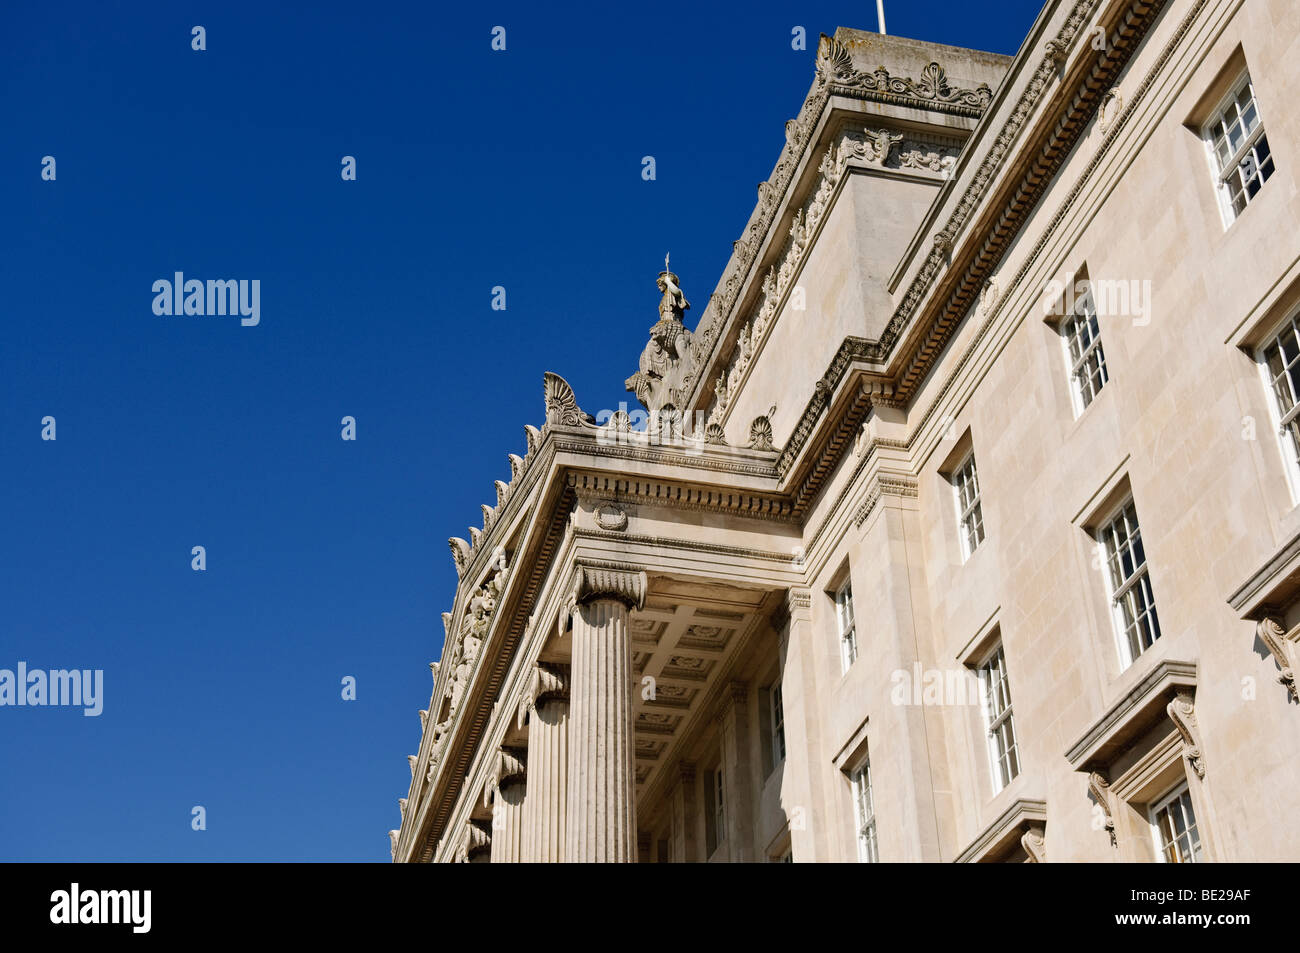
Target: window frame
(1223,171)
(966,510)
(1288,423)
(847,633)
(866,832)
(777,708)
(1083,313)
(1197,846)
(1116,591)
(992,725)
(714,812)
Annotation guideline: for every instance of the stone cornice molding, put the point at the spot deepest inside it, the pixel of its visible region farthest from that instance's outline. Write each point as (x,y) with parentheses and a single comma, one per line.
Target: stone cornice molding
(1283,647)
(898,485)
(1272,586)
(682,495)
(835,68)
(544,682)
(592,582)
(1007,830)
(1132,714)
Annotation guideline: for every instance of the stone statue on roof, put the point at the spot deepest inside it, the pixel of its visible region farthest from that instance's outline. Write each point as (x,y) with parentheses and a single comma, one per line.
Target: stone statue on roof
(666,360)
(673,303)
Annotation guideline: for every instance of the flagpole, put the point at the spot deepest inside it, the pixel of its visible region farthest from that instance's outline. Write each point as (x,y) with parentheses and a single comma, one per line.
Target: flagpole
(880,15)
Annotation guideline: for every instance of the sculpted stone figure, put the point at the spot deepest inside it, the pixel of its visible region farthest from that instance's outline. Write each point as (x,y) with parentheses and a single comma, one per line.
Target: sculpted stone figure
(473,630)
(666,361)
(673,303)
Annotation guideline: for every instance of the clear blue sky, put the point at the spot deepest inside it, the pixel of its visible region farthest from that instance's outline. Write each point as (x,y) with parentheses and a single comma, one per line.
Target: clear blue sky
(325,558)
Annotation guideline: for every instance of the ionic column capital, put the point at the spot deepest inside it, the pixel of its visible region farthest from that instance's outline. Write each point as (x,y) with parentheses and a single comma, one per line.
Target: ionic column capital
(545,681)
(734,695)
(475,838)
(590,583)
(506,766)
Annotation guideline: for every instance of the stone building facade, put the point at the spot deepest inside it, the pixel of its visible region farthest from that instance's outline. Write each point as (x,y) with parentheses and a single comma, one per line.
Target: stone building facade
(962,526)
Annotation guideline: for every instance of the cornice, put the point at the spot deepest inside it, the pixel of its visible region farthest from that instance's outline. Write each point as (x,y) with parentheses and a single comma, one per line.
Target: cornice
(1135,711)
(1007,828)
(683,496)
(885,484)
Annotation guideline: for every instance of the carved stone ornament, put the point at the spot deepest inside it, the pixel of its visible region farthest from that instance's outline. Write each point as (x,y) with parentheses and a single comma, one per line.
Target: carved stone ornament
(760,432)
(546,681)
(1099,788)
(610,516)
(1112,104)
(988,297)
(411,759)
(1034,842)
(561,404)
(881,143)
(460,553)
(392,843)
(474,627)
(596,583)
(835,67)
(1274,637)
(1182,712)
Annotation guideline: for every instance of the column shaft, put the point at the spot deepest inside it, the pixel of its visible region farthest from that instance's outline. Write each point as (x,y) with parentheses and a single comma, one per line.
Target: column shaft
(601,823)
(548,769)
(507,822)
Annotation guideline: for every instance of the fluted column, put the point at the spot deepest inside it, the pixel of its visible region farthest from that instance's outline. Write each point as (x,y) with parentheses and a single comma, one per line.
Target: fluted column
(544,705)
(686,813)
(601,822)
(738,774)
(505,793)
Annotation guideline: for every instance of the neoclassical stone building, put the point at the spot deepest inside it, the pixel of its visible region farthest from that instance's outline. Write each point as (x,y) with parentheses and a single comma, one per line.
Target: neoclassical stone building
(962,524)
